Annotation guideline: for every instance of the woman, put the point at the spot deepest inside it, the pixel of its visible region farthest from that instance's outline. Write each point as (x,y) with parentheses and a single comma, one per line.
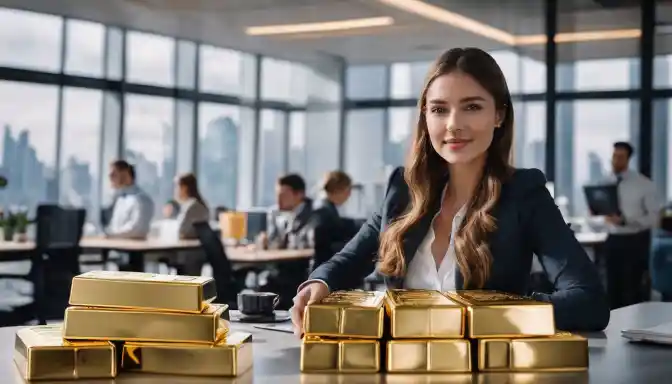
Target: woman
(192,207)
(331,232)
(458,216)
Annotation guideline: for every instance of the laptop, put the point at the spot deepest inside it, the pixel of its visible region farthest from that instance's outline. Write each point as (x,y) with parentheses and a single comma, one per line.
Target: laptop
(660,334)
(602,199)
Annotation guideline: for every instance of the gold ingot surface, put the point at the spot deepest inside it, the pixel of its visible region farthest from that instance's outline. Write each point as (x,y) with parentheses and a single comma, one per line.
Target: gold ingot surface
(40,353)
(137,290)
(231,357)
(83,323)
(340,355)
(493,314)
(357,314)
(435,355)
(424,314)
(560,352)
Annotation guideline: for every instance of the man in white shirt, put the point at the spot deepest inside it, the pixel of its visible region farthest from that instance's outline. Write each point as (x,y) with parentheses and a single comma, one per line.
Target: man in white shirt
(292,213)
(133,209)
(628,245)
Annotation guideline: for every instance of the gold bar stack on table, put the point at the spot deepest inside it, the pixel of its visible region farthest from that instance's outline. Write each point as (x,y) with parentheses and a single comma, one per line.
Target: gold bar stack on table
(41,353)
(513,333)
(343,332)
(427,333)
(163,324)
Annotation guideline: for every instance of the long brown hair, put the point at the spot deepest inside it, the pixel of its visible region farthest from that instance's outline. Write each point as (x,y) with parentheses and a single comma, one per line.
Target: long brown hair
(426,172)
(189,181)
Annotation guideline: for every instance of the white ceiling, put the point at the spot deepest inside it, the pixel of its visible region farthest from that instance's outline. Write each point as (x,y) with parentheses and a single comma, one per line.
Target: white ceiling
(411,38)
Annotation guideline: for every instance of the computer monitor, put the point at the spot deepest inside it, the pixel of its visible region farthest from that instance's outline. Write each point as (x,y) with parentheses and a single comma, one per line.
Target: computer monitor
(256,223)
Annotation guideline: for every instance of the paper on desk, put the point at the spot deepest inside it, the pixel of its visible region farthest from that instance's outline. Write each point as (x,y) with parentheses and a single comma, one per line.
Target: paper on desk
(661,334)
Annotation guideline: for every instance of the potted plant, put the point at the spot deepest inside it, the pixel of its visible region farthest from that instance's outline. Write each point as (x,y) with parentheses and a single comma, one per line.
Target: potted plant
(21,222)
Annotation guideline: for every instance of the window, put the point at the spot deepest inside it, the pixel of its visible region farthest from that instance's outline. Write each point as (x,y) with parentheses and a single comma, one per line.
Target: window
(364,137)
(227,72)
(28,143)
(80,148)
(402,123)
(366,82)
(662,159)
(30,40)
(586,131)
(298,158)
(271,154)
(600,64)
(150,59)
(186,64)
(84,48)
(407,79)
(226,137)
(284,81)
(510,64)
(322,144)
(149,144)
(530,135)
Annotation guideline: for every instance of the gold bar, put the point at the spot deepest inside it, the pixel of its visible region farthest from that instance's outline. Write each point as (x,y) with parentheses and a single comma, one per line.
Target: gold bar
(340,355)
(421,356)
(492,314)
(357,314)
(83,323)
(424,314)
(136,290)
(560,352)
(231,356)
(40,353)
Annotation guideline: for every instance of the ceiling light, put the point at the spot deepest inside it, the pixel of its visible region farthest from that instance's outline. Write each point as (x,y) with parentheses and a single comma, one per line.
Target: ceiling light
(445,16)
(320,27)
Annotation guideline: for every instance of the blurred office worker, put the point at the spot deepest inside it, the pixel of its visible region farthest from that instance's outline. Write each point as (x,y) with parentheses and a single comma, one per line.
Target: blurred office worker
(330,230)
(133,209)
(171,209)
(293,211)
(193,208)
(628,245)
(459,216)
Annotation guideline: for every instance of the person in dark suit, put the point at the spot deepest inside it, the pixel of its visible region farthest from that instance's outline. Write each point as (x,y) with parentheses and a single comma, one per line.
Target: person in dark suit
(459,216)
(294,209)
(330,230)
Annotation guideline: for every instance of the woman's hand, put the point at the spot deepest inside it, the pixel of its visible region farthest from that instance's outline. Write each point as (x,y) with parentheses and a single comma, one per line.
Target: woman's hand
(309,294)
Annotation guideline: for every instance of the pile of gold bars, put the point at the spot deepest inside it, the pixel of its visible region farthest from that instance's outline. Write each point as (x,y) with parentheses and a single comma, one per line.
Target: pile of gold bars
(421,331)
(157,323)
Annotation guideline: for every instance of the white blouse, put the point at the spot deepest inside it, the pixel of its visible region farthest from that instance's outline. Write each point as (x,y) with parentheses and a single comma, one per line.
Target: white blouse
(422,272)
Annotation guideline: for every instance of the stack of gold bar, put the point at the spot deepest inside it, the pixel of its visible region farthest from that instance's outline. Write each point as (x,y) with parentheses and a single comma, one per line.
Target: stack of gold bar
(426,333)
(514,333)
(162,323)
(343,332)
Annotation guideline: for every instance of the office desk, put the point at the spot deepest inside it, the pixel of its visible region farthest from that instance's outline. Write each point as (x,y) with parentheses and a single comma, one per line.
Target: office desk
(276,359)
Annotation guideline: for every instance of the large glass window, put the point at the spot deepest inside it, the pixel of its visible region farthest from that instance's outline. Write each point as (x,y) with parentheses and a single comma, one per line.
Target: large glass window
(149,144)
(80,150)
(30,40)
(586,131)
(298,158)
(225,138)
(284,81)
(150,59)
(599,63)
(662,159)
(84,48)
(28,143)
(402,124)
(271,154)
(364,137)
(227,72)
(407,79)
(530,135)
(366,82)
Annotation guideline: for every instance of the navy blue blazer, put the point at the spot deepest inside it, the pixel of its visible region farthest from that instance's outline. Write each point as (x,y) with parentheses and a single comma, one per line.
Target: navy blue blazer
(528,222)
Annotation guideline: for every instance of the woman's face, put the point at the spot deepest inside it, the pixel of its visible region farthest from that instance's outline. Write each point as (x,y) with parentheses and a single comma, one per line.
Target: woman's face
(341,196)
(181,193)
(461,117)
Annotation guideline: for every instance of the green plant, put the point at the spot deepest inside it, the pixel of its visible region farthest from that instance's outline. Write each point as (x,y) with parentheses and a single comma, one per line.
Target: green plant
(3,182)
(21,222)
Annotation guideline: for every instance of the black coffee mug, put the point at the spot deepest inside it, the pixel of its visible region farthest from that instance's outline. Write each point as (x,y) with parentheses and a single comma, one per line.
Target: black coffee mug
(257,303)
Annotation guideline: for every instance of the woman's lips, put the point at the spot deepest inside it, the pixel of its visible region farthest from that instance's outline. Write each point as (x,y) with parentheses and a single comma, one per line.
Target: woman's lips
(456,145)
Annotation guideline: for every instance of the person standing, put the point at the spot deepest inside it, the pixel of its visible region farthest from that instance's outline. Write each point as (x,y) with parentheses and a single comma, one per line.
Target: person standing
(133,209)
(629,241)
